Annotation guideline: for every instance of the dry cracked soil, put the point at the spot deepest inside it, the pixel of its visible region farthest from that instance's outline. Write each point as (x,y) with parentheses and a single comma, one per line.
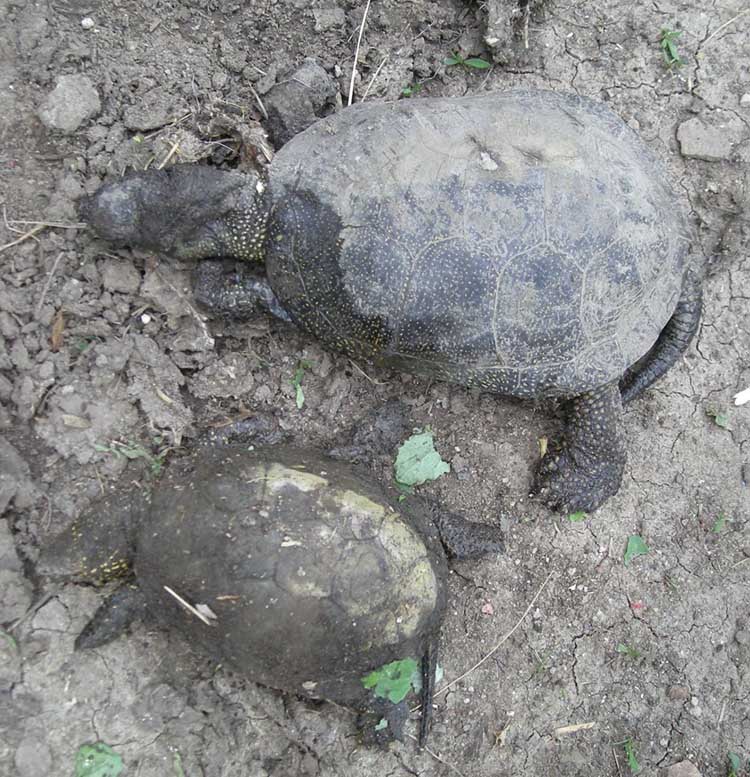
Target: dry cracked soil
(107,366)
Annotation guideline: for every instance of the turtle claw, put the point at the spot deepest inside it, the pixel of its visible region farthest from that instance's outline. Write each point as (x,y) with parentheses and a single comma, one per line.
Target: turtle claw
(567,485)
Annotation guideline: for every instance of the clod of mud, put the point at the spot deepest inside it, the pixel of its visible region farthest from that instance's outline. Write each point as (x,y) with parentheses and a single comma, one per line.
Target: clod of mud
(711,138)
(72,102)
(298,101)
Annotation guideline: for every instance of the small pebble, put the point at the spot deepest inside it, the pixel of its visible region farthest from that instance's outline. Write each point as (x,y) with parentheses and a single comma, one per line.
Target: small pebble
(678,693)
(87,23)
(683,769)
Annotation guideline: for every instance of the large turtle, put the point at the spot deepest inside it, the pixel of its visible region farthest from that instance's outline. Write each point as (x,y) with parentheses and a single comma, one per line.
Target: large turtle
(297,570)
(526,243)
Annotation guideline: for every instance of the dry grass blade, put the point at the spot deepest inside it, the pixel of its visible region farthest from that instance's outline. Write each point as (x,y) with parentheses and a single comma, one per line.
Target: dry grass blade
(364,374)
(189,607)
(47,283)
(725,25)
(172,152)
(356,53)
(26,235)
(505,638)
(571,729)
(36,227)
(375,75)
(438,758)
(259,101)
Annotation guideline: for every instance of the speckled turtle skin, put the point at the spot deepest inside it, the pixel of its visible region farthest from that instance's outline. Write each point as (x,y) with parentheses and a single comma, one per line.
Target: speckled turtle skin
(526,243)
(313,574)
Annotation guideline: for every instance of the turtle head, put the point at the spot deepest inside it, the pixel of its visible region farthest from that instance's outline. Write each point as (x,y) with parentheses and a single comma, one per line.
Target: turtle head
(99,545)
(187,211)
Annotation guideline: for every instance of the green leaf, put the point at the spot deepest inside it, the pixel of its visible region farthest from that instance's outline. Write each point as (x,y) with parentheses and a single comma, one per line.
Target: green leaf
(477,63)
(627,650)
(392,681)
(382,723)
(579,516)
(719,524)
(177,764)
(455,60)
(722,420)
(636,547)
(302,365)
(735,765)
(635,767)
(97,760)
(720,417)
(417,461)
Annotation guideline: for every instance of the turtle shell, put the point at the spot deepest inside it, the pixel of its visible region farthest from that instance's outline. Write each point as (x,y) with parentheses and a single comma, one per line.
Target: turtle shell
(525,242)
(291,568)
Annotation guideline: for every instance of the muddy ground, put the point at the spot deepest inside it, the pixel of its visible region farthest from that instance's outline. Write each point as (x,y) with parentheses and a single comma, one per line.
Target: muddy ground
(104,353)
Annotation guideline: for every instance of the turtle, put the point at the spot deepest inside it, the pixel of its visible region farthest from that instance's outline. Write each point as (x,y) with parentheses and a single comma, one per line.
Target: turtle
(525,243)
(297,570)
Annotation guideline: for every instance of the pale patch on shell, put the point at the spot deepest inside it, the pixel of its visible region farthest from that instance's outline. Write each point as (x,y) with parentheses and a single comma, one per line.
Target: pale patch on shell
(279,477)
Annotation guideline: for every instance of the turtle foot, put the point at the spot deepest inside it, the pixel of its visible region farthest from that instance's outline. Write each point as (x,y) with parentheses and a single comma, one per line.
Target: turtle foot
(567,482)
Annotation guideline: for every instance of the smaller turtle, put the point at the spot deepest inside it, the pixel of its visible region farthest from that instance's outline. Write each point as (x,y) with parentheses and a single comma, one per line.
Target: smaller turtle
(295,569)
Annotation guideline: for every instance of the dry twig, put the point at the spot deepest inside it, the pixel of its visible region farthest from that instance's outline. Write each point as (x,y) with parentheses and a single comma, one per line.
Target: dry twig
(356,53)
(375,75)
(724,26)
(47,283)
(501,642)
(437,757)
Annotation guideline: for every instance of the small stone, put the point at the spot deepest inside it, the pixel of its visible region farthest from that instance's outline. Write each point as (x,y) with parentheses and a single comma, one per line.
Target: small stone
(72,102)
(19,355)
(742,637)
(33,758)
(10,661)
(683,769)
(745,100)
(328,18)
(230,376)
(52,616)
(711,138)
(152,110)
(120,276)
(678,692)
(87,23)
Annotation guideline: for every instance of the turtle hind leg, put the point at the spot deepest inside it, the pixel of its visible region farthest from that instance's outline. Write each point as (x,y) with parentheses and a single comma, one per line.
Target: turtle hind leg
(671,343)
(588,467)
(114,616)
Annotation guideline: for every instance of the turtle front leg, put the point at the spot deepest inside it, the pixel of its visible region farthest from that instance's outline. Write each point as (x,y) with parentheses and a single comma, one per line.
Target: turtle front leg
(237,294)
(588,467)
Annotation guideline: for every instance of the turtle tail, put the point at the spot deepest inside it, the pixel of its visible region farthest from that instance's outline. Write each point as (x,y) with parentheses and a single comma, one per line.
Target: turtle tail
(118,611)
(671,344)
(429,665)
